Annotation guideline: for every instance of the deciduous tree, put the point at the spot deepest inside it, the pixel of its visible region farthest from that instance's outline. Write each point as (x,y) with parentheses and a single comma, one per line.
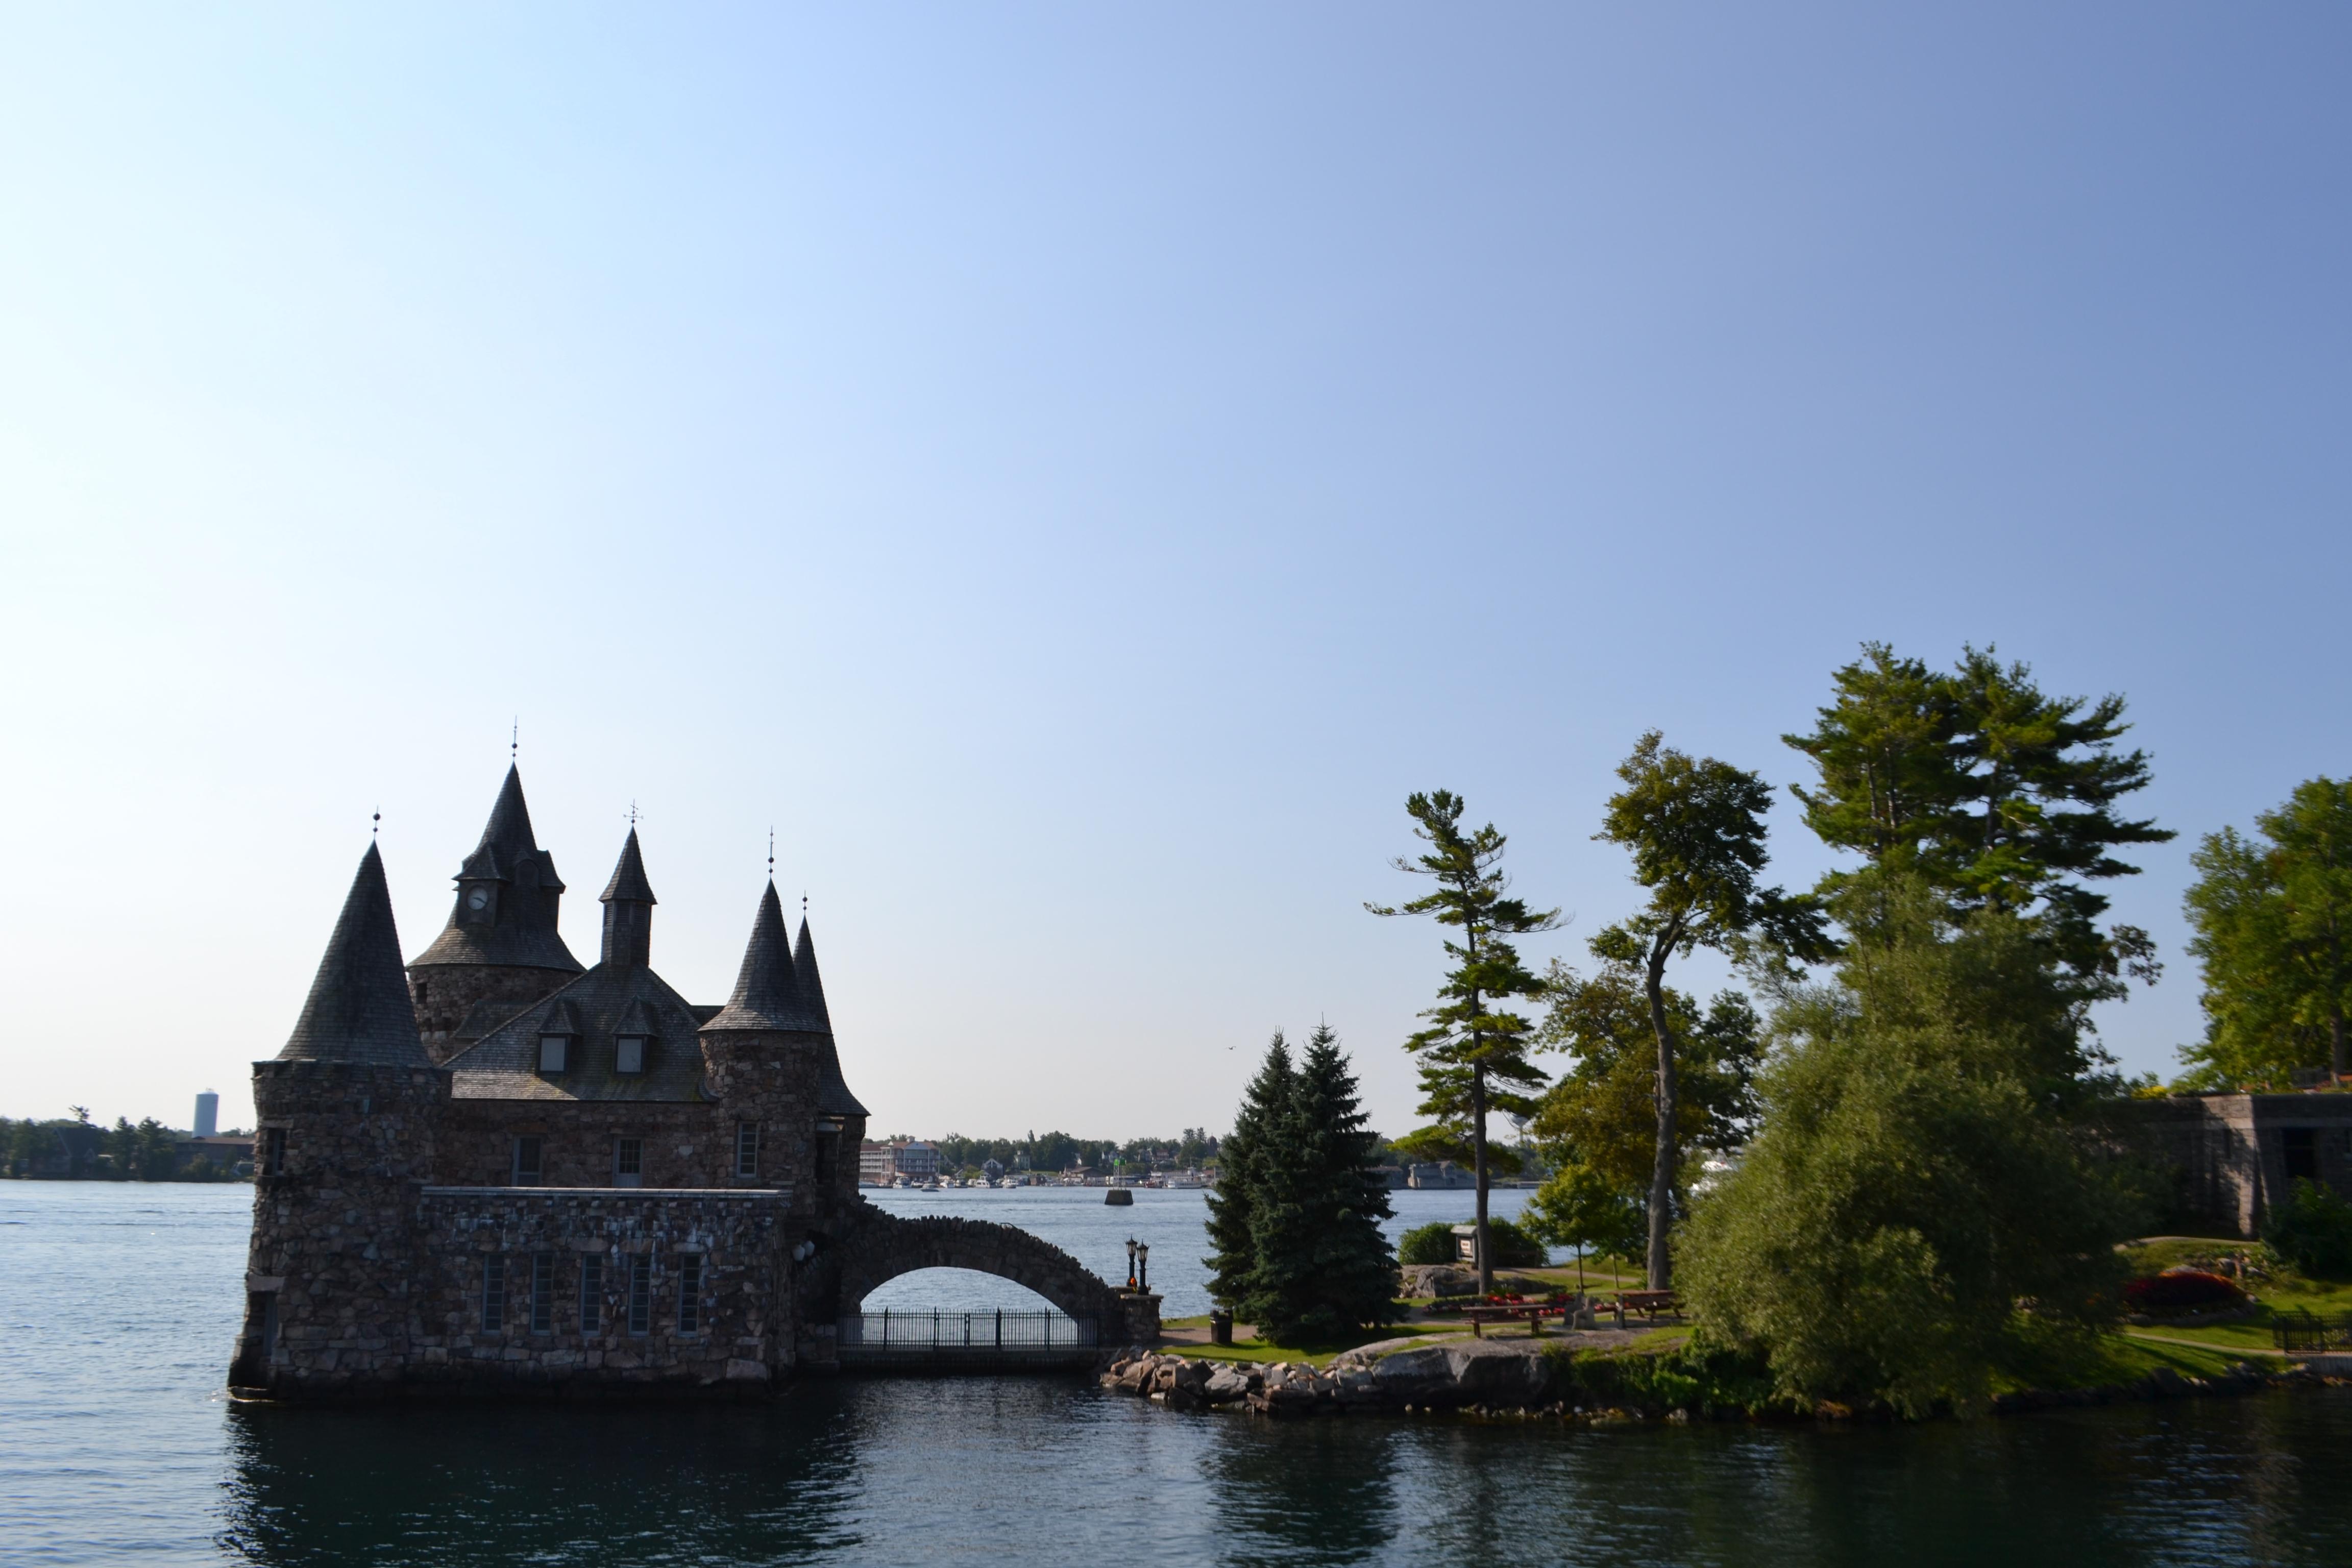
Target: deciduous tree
(2273,919)
(1696,827)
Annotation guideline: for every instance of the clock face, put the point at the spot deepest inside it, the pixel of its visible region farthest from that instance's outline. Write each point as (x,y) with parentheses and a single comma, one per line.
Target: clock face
(479,898)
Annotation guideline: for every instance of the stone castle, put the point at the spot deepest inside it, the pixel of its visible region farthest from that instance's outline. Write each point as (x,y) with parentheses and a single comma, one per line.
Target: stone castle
(492,1168)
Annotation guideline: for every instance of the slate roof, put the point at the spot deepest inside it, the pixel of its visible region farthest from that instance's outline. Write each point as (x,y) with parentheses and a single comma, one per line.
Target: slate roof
(628,883)
(609,1000)
(358,1009)
(524,934)
(833,1096)
(767,994)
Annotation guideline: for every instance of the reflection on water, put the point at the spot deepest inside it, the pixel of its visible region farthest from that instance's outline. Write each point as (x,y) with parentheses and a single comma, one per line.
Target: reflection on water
(978,1470)
(115,1447)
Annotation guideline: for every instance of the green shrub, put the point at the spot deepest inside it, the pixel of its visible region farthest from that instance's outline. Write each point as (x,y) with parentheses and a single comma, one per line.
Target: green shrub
(2313,1228)
(1433,1243)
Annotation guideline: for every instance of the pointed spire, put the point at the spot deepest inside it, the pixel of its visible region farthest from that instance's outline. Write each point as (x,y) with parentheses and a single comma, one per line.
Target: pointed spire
(766,994)
(358,1009)
(508,830)
(812,985)
(628,900)
(629,876)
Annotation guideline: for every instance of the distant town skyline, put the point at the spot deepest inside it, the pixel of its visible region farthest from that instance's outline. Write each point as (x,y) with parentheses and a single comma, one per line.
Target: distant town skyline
(1071,477)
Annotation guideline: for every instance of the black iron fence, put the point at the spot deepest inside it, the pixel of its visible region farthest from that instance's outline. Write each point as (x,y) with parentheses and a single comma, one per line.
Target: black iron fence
(901,1331)
(2302,1331)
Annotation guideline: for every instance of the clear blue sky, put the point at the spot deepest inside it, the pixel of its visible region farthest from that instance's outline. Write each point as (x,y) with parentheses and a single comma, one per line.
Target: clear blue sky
(1073,470)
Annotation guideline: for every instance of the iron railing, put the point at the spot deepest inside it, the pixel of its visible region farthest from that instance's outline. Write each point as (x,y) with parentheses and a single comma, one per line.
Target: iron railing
(2301,1331)
(894,1330)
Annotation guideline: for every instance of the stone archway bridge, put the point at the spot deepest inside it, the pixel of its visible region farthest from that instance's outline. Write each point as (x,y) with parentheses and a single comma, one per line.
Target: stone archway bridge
(1088,1315)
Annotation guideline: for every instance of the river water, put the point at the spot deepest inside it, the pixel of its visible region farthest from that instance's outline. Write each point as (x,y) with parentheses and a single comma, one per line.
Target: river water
(118,1305)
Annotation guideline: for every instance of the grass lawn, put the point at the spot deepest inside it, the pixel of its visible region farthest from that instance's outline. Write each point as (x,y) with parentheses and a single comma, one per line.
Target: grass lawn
(2285,1290)
(2044,1356)
(1316,1354)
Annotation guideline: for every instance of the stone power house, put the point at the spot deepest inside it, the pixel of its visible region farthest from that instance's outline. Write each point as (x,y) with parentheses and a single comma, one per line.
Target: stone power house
(499,1171)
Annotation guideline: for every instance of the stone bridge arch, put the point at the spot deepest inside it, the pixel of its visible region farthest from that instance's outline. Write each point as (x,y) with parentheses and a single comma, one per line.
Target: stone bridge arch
(886,1246)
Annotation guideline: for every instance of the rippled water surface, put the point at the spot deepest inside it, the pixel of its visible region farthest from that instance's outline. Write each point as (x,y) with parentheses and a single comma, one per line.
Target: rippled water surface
(115,1447)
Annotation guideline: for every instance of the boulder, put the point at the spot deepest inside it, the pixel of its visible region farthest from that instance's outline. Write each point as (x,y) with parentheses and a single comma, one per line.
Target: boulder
(1225,1385)
(1438,1279)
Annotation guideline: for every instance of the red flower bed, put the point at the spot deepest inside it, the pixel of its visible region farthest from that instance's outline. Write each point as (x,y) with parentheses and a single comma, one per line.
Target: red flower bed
(2184,1289)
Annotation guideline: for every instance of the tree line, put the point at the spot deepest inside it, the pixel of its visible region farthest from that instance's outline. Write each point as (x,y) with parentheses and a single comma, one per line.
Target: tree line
(147,1151)
(1931,1131)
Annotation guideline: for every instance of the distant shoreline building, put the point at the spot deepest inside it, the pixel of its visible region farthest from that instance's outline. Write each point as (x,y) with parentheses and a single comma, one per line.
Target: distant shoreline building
(207,1115)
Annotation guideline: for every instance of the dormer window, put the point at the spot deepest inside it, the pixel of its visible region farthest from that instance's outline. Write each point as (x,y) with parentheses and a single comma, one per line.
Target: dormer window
(629,1053)
(555,1053)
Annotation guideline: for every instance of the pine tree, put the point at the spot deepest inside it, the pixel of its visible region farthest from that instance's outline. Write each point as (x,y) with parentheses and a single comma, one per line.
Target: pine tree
(1233,1259)
(1474,1058)
(1323,1269)
(1997,795)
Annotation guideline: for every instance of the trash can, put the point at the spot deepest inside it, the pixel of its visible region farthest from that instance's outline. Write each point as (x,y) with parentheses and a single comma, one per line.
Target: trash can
(1220,1328)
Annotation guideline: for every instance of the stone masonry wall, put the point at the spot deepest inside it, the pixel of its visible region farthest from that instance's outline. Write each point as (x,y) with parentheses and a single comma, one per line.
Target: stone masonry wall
(444,994)
(331,1265)
(743,1239)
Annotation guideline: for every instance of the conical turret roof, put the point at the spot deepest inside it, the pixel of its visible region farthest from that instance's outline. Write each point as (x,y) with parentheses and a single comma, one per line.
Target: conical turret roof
(358,1009)
(812,985)
(628,884)
(767,996)
(833,1096)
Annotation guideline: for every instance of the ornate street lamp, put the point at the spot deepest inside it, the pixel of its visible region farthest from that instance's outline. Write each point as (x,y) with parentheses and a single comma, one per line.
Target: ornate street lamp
(1143,1266)
(1130,1263)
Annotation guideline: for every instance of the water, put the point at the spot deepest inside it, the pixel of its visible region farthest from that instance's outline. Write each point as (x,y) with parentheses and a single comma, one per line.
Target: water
(118,1304)
(1076,1220)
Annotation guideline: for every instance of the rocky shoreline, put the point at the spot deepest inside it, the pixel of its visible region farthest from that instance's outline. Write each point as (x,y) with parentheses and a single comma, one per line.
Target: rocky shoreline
(1528,1379)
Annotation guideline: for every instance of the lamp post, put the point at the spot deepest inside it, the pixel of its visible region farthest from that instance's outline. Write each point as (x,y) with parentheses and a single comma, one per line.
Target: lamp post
(1143,1267)
(1130,1263)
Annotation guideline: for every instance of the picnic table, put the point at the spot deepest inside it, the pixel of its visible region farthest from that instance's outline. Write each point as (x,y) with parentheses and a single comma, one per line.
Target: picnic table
(1535,1313)
(1649,1303)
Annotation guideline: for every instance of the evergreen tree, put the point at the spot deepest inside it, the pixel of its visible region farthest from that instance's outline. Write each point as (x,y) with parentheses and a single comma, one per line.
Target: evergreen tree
(1322,1267)
(1233,1255)
(1696,831)
(1998,795)
(2273,923)
(1473,1060)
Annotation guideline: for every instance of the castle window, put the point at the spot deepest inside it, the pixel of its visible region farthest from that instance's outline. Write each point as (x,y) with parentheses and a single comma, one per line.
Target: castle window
(592,1293)
(273,1156)
(494,1293)
(828,1144)
(629,1054)
(2301,1147)
(747,1148)
(554,1053)
(689,1293)
(526,1161)
(542,1292)
(628,1161)
(641,1293)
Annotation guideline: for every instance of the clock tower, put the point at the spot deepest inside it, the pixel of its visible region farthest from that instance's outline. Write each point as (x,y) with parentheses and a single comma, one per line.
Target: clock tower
(501,950)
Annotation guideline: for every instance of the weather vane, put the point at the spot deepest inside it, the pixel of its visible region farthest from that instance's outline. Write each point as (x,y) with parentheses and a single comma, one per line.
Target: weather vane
(514,740)
(772,854)
(378,820)
(633,816)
